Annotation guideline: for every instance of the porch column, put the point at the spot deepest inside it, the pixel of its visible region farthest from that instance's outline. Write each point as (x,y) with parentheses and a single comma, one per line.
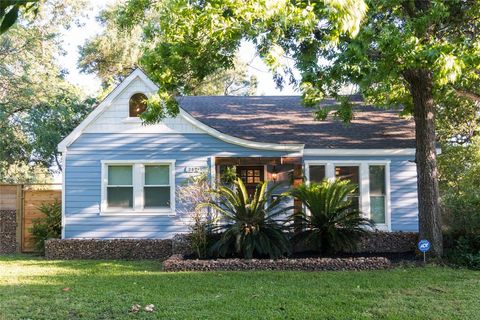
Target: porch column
(297,204)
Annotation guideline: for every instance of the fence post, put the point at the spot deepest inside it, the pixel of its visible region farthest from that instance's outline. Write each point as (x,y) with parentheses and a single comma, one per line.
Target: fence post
(19,216)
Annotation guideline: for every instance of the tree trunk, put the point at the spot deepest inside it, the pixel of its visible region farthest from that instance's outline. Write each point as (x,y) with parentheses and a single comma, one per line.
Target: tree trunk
(421,89)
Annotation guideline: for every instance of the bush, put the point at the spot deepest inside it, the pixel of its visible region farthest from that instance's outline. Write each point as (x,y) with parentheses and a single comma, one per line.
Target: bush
(465,251)
(47,227)
(459,167)
(332,224)
(249,226)
(192,192)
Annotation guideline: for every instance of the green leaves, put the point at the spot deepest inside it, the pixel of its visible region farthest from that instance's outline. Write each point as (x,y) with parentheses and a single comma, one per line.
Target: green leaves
(9,18)
(332,224)
(250,226)
(188,41)
(10,9)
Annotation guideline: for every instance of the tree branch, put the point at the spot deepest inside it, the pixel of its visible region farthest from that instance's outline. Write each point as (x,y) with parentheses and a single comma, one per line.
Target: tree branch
(475,97)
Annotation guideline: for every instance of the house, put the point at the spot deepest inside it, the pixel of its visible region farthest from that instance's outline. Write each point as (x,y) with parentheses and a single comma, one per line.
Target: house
(120,175)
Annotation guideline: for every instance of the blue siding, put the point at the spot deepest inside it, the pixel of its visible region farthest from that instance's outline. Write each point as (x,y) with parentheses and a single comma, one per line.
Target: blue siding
(403,189)
(83,179)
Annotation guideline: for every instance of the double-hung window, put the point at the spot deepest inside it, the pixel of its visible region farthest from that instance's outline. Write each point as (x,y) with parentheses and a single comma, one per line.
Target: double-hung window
(373,181)
(138,187)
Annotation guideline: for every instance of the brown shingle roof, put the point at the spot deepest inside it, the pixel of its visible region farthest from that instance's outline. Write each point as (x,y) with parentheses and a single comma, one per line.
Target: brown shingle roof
(282,119)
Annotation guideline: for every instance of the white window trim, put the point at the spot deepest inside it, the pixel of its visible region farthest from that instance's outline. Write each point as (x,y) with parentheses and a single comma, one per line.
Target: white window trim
(138,172)
(364,184)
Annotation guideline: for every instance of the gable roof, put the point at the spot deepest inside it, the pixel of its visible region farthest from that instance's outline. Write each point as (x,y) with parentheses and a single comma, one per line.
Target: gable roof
(278,123)
(282,119)
(102,106)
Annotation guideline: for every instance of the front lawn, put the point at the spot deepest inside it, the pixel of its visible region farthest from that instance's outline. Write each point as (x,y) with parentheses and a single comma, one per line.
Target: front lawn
(33,288)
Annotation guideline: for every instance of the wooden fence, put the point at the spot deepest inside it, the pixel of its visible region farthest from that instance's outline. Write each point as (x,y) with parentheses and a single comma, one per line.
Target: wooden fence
(26,200)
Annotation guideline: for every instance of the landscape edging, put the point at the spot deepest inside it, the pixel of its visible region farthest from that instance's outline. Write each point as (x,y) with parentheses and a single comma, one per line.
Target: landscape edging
(178,263)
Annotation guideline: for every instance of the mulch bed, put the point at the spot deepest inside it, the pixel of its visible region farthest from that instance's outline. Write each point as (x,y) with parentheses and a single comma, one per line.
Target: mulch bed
(180,263)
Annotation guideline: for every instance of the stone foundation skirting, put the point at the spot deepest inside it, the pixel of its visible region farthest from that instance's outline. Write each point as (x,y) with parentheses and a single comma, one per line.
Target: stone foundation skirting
(388,242)
(131,249)
(178,263)
(116,249)
(8,231)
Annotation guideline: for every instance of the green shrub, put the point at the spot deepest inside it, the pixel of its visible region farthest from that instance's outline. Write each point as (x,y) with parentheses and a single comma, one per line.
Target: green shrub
(459,167)
(249,226)
(47,227)
(465,251)
(332,224)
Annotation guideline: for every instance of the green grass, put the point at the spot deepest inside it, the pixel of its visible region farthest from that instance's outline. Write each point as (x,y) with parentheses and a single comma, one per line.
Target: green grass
(31,288)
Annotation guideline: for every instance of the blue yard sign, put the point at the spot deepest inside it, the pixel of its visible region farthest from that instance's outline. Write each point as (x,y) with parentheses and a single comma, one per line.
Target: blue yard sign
(424,246)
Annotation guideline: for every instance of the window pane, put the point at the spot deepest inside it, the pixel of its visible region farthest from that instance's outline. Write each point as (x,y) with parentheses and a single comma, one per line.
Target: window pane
(157,197)
(120,197)
(137,104)
(377,193)
(377,209)
(377,180)
(317,173)
(355,202)
(348,173)
(120,175)
(157,175)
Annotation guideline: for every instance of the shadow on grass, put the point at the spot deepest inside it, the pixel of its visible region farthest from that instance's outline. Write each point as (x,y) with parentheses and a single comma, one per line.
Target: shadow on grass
(400,293)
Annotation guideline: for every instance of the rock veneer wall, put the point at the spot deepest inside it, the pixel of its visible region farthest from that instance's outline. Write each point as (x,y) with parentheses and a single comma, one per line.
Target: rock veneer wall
(131,249)
(388,242)
(178,263)
(8,229)
(116,249)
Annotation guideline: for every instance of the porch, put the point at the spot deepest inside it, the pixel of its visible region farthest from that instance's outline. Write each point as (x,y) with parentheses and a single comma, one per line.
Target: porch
(286,171)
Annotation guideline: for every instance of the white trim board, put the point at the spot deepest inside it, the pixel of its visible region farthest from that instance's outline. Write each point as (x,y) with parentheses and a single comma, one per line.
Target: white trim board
(362,152)
(359,152)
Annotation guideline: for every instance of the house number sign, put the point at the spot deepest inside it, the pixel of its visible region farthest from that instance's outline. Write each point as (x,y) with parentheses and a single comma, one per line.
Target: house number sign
(194,169)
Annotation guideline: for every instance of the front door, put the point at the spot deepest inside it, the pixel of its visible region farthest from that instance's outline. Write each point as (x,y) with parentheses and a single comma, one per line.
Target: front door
(251,177)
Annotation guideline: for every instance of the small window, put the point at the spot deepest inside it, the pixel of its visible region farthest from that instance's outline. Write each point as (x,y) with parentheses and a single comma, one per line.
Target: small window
(251,175)
(120,187)
(351,173)
(137,104)
(317,173)
(377,194)
(157,186)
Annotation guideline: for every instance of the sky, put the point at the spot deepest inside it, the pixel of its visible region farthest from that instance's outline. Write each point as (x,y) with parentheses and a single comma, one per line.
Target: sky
(76,36)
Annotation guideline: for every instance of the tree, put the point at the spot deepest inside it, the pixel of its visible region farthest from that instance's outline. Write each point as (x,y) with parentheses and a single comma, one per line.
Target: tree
(112,54)
(116,52)
(420,55)
(230,82)
(10,11)
(37,105)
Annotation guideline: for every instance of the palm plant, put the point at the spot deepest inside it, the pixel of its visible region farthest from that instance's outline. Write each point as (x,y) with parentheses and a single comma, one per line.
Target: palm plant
(249,226)
(332,223)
